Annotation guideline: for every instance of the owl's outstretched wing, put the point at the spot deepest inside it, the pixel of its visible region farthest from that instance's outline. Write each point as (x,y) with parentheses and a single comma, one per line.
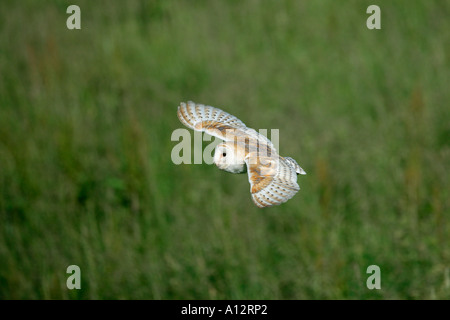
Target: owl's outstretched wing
(273,180)
(211,120)
(218,123)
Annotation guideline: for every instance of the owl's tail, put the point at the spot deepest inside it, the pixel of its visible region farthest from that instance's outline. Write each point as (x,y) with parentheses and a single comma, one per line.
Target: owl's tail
(294,163)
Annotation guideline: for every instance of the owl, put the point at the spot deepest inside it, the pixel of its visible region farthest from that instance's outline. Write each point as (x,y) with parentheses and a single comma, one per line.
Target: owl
(273,178)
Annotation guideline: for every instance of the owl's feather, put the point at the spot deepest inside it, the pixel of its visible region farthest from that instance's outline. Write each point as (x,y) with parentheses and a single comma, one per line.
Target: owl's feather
(273,180)
(218,123)
(211,120)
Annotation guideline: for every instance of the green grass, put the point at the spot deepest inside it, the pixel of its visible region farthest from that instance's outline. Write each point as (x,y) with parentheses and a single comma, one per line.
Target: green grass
(86,176)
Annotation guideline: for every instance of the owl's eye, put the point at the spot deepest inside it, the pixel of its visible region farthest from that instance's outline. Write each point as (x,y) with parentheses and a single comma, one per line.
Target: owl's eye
(224,154)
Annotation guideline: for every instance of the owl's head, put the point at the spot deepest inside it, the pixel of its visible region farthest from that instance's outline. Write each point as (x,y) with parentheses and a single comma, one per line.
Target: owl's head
(227,157)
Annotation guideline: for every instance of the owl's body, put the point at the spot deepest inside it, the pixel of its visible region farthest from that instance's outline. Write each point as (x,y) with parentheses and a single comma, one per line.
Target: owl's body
(273,179)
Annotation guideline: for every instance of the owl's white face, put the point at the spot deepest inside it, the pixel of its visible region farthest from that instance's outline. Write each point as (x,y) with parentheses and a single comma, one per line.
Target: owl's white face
(227,158)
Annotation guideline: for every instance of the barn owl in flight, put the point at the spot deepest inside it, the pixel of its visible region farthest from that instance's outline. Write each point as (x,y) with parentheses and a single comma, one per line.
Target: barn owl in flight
(273,178)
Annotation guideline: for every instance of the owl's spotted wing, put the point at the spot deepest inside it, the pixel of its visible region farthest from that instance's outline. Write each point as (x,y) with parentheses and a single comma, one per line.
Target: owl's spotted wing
(211,120)
(273,180)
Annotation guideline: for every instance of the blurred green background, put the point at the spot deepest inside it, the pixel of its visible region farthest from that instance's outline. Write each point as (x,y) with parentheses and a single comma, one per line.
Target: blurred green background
(86,177)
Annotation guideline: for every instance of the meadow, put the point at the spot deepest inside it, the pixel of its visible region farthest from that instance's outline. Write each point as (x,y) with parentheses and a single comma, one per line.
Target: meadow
(86,176)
